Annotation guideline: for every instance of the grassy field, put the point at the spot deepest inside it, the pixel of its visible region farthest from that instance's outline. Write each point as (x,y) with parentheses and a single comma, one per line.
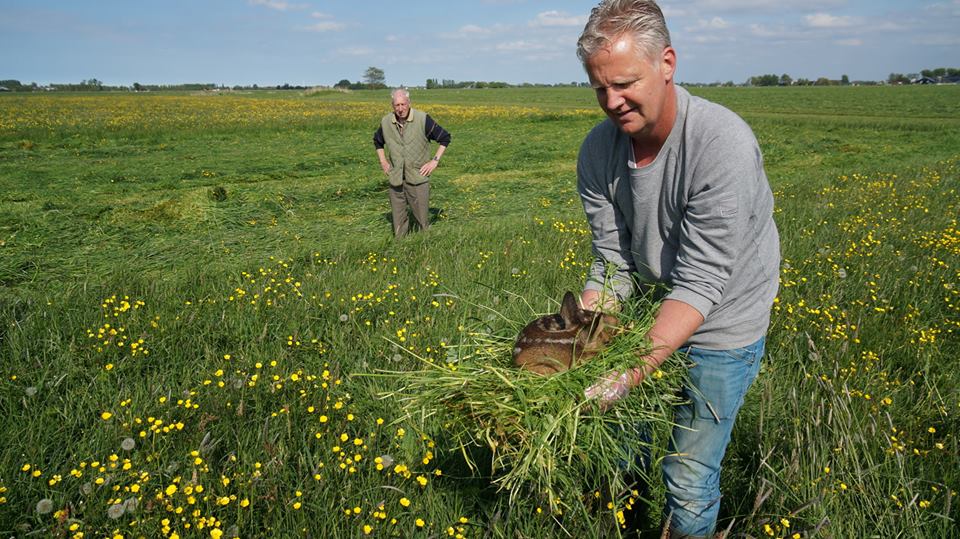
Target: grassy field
(195,289)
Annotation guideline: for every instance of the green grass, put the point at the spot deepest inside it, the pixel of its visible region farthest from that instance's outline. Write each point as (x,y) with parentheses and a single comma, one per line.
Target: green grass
(257,227)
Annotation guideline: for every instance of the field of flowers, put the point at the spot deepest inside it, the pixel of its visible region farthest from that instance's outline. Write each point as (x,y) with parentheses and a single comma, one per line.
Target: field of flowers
(199,291)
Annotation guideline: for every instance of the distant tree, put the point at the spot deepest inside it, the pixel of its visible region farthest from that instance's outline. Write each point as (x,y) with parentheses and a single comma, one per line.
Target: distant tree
(137,87)
(11,84)
(374,77)
(785,80)
(764,80)
(431,84)
(344,83)
(844,80)
(822,81)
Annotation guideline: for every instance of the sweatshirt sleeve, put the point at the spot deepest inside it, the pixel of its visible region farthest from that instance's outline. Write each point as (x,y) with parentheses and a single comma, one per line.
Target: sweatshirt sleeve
(715,226)
(612,267)
(378,140)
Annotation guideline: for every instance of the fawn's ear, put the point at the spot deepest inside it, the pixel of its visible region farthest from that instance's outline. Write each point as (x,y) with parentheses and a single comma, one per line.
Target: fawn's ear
(570,310)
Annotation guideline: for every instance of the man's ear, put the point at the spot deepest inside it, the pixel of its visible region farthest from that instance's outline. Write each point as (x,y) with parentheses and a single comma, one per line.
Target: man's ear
(668,63)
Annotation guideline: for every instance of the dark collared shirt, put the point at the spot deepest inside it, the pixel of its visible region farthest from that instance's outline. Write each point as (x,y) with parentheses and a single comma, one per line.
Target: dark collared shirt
(431,130)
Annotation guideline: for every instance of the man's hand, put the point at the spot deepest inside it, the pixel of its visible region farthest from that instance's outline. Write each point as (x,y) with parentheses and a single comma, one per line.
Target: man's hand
(613,387)
(385,165)
(428,167)
(616,385)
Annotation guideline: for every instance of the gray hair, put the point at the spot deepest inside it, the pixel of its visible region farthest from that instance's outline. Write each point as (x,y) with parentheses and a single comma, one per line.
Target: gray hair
(641,19)
(401,92)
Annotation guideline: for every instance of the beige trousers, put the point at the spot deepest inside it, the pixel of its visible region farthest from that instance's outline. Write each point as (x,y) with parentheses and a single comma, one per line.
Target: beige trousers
(417,198)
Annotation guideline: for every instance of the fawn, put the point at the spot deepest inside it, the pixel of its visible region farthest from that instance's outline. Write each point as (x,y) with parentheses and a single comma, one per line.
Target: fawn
(556,342)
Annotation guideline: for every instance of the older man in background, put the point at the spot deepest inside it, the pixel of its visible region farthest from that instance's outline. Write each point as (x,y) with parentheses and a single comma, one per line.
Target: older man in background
(405,135)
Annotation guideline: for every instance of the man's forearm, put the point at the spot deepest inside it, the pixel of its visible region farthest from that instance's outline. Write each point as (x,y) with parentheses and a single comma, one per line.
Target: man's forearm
(673,325)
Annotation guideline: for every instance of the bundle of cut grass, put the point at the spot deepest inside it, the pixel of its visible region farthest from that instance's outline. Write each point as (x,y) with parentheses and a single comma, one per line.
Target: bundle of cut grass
(544,439)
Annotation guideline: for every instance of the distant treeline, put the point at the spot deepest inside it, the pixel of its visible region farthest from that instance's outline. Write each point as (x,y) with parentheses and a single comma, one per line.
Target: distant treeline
(926,76)
(940,75)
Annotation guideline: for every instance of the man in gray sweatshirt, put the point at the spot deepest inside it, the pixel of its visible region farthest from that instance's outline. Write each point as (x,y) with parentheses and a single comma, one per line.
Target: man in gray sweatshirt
(676,196)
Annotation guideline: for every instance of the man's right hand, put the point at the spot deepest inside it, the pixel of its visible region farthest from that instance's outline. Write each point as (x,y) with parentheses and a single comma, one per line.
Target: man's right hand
(385,165)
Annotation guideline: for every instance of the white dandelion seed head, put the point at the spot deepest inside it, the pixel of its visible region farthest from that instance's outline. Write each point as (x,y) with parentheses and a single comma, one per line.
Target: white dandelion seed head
(115,511)
(30,391)
(386,460)
(44,506)
(128,444)
(130,505)
(344,318)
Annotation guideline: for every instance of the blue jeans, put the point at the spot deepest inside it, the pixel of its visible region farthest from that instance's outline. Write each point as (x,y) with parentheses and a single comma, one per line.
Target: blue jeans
(719,380)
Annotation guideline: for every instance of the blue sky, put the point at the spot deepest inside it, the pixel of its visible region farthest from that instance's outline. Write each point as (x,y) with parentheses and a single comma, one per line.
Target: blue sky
(314,42)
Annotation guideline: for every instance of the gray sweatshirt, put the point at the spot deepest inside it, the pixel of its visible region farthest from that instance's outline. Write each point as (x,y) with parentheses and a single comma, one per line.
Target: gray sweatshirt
(698,219)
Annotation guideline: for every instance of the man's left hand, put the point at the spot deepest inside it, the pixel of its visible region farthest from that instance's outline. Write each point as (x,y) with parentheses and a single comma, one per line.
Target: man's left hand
(428,167)
(611,388)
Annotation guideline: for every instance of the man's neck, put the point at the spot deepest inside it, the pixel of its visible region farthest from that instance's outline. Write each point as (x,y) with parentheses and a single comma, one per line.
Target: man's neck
(646,148)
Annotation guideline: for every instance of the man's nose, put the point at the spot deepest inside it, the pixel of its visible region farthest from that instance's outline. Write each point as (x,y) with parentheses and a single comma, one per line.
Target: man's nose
(614,99)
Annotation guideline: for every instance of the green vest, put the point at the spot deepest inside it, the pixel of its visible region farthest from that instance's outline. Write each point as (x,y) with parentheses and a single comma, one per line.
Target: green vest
(408,152)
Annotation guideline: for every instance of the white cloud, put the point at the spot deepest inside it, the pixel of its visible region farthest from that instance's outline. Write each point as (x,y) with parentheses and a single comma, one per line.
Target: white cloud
(519,46)
(760,30)
(354,51)
(558,18)
(279,5)
(473,29)
(825,20)
(716,23)
(852,42)
(324,26)
(763,5)
(723,5)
